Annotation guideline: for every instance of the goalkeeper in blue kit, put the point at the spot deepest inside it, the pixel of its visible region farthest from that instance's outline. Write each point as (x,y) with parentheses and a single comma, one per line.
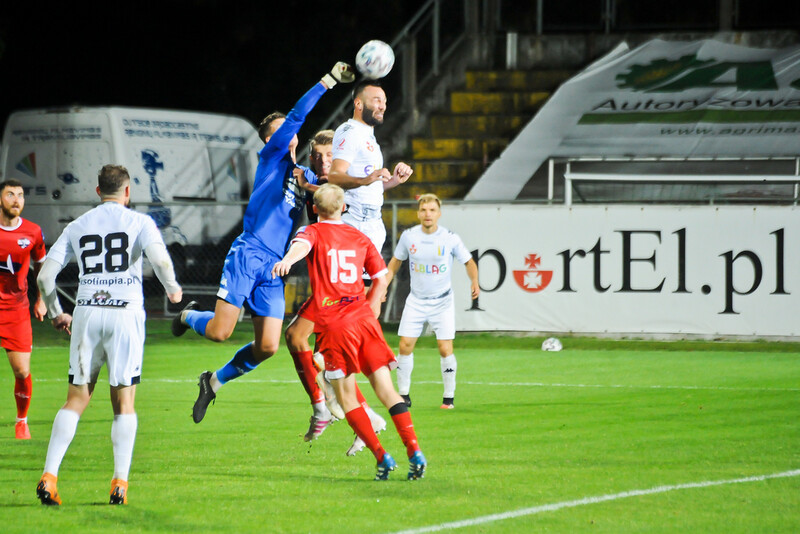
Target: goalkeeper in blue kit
(273,213)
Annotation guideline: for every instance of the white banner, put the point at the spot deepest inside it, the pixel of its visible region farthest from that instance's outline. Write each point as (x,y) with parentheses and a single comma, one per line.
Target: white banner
(680,99)
(732,271)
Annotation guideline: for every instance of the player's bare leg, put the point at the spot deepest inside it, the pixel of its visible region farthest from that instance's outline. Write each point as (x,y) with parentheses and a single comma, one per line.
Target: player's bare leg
(23,390)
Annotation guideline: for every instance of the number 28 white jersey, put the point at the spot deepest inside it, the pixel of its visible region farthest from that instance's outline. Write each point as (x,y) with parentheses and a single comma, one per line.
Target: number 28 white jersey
(430,259)
(107,242)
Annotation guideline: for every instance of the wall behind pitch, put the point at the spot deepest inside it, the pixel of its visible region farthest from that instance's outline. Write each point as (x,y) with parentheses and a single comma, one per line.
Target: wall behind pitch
(707,270)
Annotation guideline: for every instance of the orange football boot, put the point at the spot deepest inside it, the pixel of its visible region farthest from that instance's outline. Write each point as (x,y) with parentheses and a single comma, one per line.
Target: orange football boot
(47,490)
(119,492)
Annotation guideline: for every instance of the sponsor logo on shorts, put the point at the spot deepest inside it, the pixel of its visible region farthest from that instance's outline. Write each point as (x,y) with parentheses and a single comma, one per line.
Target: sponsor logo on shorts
(328,302)
(103,298)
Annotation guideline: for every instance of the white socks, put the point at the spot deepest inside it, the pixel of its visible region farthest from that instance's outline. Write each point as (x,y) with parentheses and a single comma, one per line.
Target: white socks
(449,367)
(321,411)
(64,425)
(215,383)
(405,364)
(123,434)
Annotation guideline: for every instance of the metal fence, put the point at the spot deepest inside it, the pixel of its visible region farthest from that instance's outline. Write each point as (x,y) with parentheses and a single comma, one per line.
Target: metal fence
(198,266)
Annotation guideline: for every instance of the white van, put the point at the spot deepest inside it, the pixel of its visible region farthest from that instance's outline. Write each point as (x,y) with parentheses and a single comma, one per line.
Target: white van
(205,162)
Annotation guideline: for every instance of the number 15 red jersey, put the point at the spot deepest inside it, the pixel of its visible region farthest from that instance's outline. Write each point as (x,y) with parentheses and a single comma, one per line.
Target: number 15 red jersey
(339,254)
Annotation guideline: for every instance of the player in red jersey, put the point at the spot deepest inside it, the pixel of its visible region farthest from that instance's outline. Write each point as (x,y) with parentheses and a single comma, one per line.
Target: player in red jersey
(306,362)
(20,241)
(348,333)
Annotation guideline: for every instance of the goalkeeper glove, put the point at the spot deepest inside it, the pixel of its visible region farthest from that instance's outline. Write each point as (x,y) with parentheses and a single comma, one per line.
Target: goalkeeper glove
(341,72)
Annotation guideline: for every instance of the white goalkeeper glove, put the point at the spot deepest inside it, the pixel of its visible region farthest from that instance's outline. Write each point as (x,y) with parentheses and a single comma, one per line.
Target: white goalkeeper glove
(341,72)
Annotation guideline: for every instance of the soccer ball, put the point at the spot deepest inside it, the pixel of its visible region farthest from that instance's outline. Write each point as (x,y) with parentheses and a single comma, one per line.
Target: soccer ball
(375,59)
(551,344)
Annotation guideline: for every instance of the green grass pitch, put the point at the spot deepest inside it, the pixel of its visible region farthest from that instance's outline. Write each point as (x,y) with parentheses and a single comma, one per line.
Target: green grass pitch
(605,436)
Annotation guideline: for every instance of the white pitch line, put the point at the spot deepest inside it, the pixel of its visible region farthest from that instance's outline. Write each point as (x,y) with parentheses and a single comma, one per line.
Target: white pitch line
(617,386)
(592,500)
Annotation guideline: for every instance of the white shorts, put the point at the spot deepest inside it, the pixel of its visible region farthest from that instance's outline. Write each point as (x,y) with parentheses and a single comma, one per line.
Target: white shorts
(111,336)
(372,228)
(440,313)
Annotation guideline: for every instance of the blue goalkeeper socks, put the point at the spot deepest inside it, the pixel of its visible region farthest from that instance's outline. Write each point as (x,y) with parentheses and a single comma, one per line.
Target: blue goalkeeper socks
(242,363)
(197,320)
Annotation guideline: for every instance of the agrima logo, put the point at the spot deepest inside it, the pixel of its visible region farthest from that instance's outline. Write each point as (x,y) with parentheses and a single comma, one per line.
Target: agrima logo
(533,279)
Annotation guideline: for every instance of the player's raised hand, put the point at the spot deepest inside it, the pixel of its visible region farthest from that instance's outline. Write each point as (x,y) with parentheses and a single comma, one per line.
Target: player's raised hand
(402,172)
(341,72)
(378,175)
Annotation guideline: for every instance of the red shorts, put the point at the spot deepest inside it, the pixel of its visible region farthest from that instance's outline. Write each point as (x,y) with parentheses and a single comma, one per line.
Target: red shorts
(308,310)
(15,330)
(356,348)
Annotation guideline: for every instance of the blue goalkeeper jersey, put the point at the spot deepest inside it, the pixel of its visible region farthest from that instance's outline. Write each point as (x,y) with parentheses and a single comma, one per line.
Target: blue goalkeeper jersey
(276,204)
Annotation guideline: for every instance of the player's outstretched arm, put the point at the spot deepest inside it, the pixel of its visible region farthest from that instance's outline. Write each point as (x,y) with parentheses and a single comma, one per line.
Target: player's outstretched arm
(338,175)
(402,172)
(297,252)
(340,73)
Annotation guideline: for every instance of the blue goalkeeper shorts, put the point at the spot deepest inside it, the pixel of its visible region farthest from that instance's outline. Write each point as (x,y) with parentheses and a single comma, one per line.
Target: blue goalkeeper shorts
(247,277)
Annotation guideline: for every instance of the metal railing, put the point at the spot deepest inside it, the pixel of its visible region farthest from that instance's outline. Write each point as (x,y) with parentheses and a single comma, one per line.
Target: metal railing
(438,39)
(705,172)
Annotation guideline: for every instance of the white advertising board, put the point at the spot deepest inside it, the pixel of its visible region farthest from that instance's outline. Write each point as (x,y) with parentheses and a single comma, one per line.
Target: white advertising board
(729,271)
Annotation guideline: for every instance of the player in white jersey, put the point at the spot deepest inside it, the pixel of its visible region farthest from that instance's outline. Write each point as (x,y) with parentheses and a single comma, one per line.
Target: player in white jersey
(430,250)
(358,163)
(108,326)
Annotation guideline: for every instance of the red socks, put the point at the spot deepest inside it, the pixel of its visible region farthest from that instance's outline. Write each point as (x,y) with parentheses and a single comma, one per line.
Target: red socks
(405,428)
(360,398)
(304,365)
(23,389)
(360,423)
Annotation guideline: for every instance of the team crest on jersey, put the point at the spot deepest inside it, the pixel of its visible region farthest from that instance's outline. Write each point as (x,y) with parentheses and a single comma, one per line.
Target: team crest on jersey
(102,298)
(413,249)
(370,147)
(23,242)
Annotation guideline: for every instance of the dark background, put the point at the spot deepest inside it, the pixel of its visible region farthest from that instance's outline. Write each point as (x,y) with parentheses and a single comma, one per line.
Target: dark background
(249,58)
(245,58)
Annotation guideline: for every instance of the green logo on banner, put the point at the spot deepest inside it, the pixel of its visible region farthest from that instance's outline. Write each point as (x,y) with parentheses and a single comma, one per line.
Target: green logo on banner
(688,72)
